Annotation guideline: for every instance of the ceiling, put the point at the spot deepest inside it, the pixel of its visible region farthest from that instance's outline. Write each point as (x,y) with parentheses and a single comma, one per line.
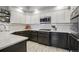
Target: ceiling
(32,8)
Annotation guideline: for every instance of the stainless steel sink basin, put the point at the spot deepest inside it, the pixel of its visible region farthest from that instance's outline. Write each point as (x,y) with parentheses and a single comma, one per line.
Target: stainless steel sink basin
(45,29)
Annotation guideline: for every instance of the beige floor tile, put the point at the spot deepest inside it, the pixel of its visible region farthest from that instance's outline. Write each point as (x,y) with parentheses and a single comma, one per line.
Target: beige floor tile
(35,47)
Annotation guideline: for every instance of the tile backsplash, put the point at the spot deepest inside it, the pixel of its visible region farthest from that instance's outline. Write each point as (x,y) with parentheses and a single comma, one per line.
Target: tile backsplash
(59,26)
(16,26)
(63,26)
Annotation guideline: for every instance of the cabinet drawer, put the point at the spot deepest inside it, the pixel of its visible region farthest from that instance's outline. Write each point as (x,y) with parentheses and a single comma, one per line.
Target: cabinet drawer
(44,40)
(45,34)
(33,38)
(59,35)
(33,33)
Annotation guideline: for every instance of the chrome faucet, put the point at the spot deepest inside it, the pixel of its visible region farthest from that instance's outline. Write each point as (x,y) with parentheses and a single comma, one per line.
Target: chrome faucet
(53,26)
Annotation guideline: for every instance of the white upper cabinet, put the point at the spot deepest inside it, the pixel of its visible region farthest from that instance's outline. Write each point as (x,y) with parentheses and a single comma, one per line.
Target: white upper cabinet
(62,16)
(53,17)
(18,17)
(67,16)
(35,19)
(28,19)
(58,16)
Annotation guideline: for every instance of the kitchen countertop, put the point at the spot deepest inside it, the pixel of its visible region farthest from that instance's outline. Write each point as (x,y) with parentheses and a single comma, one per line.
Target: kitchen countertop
(7,39)
(54,31)
(65,31)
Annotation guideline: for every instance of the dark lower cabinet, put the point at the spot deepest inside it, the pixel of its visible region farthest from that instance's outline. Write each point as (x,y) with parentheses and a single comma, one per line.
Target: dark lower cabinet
(33,36)
(59,40)
(19,47)
(44,38)
(73,43)
(56,39)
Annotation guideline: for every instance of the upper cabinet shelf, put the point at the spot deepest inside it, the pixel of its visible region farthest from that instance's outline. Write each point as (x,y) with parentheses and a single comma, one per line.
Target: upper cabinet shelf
(4,15)
(4,11)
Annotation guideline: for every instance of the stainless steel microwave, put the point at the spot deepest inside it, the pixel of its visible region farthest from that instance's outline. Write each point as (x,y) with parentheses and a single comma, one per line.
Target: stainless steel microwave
(45,20)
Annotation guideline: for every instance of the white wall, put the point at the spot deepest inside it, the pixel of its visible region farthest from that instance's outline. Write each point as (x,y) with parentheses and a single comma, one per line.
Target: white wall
(60,18)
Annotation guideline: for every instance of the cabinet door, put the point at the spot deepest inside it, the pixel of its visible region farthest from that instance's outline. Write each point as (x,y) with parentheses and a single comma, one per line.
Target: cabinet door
(60,16)
(59,40)
(44,38)
(33,36)
(35,19)
(53,17)
(67,16)
(73,43)
(28,19)
(18,17)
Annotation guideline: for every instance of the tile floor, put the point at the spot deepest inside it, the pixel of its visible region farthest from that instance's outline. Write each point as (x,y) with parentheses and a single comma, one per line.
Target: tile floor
(36,47)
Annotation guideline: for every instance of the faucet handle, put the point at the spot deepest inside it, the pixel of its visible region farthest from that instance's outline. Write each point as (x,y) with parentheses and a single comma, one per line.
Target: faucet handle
(53,26)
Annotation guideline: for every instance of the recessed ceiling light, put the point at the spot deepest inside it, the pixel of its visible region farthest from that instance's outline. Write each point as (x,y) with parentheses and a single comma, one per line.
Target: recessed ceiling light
(59,7)
(19,10)
(36,11)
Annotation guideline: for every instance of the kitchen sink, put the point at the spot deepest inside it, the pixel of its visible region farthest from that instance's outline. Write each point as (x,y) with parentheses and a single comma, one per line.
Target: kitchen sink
(45,29)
